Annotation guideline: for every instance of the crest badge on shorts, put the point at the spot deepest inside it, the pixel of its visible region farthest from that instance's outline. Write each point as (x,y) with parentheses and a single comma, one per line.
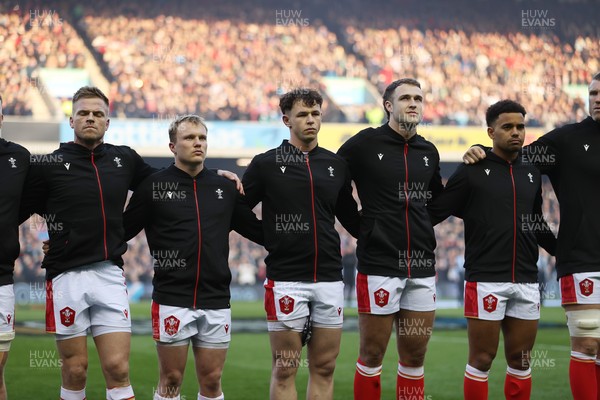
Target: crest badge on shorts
(490,302)
(286,304)
(171,325)
(586,287)
(382,297)
(67,316)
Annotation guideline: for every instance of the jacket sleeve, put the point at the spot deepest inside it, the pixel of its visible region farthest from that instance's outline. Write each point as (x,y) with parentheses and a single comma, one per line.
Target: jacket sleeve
(544,152)
(244,221)
(141,171)
(137,212)
(253,184)
(35,193)
(435,184)
(452,199)
(544,235)
(346,209)
(346,152)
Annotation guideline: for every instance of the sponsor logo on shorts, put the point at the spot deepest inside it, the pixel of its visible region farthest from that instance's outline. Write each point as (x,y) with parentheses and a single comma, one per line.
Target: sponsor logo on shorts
(382,297)
(8,318)
(226,328)
(171,325)
(126,313)
(67,316)
(586,287)
(489,303)
(339,311)
(286,304)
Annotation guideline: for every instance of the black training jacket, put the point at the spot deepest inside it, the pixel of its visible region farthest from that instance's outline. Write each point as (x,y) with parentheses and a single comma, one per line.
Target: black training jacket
(501,205)
(187,222)
(395,179)
(14,164)
(83,193)
(569,156)
(301,195)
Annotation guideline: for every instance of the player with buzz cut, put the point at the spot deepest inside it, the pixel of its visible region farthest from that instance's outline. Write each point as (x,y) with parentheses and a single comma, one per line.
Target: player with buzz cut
(187,212)
(396,172)
(303,187)
(14,163)
(84,185)
(571,159)
(500,201)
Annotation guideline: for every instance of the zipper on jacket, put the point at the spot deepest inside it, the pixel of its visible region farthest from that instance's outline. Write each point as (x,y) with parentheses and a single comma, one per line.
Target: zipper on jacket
(514,255)
(199,245)
(407,201)
(312,198)
(101,206)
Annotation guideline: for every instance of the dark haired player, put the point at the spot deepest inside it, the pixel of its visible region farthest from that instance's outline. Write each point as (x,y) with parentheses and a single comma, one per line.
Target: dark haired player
(570,157)
(396,172)
(500,201)
(303,187)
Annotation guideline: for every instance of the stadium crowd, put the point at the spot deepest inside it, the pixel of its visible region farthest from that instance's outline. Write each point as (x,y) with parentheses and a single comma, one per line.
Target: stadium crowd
(33,39)
(232,61)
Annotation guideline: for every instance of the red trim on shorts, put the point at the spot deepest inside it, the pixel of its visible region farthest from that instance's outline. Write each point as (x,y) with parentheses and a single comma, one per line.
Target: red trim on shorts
(270,301)
(50,321)
(312,198)
(101,206)
(567,290)
(514,255)
(362,293)
(407,202)
(155,320)
(471,303)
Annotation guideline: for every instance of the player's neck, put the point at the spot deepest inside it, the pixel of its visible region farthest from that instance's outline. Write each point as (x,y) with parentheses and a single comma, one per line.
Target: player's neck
(303,146)
(190,169)
(90,145)
(406,130)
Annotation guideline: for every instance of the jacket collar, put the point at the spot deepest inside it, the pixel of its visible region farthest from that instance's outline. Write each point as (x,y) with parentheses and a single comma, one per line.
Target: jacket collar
(78,149)
(286,143)
(495,158)
(396,136)
(184,175)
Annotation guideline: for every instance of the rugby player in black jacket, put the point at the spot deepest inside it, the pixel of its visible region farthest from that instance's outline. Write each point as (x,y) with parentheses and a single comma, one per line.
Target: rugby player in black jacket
(500,201)
(303,187)
(396,172)
(83,186)
(187,212)
(570,157)
(14,163)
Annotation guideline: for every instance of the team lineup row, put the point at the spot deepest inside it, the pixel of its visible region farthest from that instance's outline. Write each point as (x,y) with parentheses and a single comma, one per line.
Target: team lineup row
(188,211)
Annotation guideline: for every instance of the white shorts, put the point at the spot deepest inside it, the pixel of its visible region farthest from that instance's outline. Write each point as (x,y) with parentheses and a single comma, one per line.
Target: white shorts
(492,301)
(93,296)
(179,325)
(580,288)
(385,295)
(287,301)
(7,314)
